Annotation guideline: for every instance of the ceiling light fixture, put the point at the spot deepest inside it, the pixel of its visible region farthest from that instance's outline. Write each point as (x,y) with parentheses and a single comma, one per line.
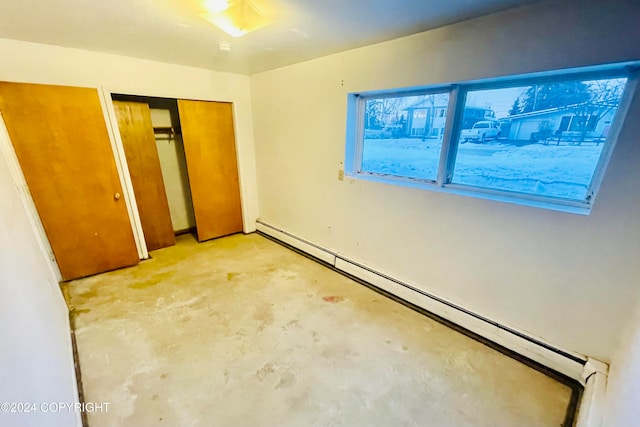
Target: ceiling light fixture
(235,17)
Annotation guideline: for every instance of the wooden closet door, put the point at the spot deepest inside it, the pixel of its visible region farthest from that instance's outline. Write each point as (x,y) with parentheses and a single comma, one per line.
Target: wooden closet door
(139,141)
(61,141)
(210,148)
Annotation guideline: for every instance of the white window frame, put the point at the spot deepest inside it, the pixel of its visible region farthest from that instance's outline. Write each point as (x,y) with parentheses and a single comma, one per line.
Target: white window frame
(361,105)
(457,99)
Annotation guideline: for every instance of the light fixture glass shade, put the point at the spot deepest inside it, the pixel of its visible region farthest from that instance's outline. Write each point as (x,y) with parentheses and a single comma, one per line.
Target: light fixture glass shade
(239,18)
(215,6)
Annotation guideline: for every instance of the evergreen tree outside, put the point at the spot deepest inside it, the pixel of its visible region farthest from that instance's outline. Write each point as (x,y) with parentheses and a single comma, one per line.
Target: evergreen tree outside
(515,108)
(551,95)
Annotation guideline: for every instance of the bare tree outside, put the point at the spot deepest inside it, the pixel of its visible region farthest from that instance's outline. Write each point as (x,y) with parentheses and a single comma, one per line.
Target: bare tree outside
(605,96)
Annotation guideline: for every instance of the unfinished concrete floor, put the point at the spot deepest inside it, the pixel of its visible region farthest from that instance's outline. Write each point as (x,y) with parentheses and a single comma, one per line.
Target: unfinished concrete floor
(241,331)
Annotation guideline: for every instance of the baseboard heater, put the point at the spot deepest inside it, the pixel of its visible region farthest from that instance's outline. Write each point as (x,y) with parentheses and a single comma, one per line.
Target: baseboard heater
(559,363)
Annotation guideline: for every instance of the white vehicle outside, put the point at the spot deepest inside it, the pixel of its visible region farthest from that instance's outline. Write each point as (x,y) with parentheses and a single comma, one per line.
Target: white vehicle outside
(481,131)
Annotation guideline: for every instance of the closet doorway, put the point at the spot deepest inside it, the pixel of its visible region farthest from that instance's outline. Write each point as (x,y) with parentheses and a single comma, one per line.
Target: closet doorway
(182,161)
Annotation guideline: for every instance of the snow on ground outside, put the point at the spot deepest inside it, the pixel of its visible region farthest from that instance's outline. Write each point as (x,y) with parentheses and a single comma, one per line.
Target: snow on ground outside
(549,170)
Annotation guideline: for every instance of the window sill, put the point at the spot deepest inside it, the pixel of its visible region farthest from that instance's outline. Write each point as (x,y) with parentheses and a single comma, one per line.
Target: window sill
(478,193)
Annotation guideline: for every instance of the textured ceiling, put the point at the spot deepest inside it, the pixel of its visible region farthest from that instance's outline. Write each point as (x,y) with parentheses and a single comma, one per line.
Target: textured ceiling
(171,30)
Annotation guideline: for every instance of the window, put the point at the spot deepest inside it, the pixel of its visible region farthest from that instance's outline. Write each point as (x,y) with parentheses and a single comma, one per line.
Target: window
(401,135)
(540,140)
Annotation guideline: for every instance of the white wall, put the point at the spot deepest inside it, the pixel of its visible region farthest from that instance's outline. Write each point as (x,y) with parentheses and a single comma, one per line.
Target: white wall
(623,389)
(38,63)
(174,173)
(36,359)
(567,278)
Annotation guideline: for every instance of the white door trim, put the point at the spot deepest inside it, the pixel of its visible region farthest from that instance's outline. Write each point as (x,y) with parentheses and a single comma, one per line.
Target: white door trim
(120,158)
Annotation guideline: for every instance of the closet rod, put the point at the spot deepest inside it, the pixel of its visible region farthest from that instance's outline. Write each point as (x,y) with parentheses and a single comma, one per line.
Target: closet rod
(166,130)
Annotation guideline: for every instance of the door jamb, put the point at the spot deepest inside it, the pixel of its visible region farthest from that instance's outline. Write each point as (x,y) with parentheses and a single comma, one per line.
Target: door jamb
(120,158)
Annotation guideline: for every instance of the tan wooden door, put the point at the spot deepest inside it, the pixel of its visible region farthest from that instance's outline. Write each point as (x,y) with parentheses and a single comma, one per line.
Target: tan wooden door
(138,139)
(61,141)
(210,148)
